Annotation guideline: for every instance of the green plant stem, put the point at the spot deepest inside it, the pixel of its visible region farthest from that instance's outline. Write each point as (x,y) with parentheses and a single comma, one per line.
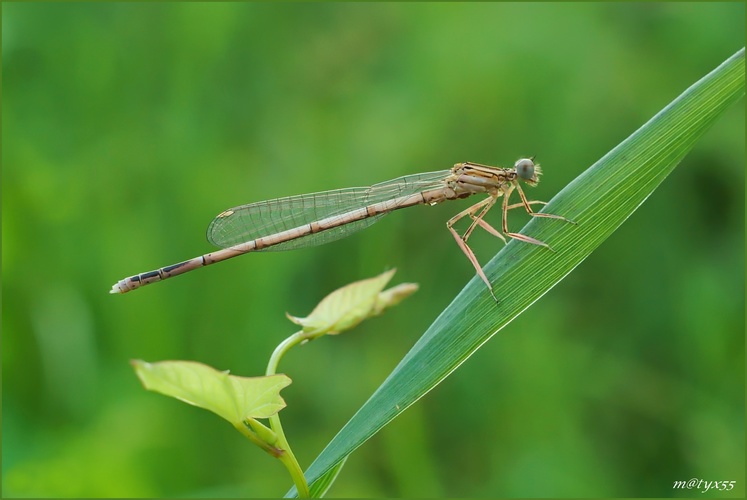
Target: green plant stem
(287,457)
(282,348)
(250,434)
(289,460)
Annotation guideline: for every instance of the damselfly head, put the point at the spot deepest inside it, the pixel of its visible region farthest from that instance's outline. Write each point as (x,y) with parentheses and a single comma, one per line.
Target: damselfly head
(528,171)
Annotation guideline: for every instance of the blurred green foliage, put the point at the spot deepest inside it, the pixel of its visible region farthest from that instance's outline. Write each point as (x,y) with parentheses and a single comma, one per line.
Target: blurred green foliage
(127,127)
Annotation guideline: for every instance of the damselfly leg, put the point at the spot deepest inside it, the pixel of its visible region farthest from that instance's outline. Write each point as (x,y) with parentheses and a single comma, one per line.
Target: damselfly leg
(477,213)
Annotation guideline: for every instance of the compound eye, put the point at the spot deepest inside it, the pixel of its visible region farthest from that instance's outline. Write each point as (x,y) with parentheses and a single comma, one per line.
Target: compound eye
(525,169)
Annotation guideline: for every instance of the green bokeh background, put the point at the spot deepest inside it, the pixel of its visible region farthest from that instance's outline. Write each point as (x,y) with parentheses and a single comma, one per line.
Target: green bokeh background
(127,127)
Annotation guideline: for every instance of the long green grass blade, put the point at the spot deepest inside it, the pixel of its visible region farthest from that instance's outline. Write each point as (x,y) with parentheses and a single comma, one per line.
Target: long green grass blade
(325,481)
(599,200)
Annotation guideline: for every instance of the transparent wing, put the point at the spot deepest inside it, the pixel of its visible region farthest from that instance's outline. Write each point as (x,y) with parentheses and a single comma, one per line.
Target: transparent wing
(249,222)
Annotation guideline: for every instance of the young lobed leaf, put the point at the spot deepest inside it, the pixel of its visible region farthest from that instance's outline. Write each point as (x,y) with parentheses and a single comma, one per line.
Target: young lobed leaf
(346,307)
(233,398)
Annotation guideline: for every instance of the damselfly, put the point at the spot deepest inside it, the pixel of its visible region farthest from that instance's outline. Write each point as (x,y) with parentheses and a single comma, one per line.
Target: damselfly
(314,219)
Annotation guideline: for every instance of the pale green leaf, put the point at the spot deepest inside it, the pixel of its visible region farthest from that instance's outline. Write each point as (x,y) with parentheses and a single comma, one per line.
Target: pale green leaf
(345,307)
(393,296)
(233,398)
